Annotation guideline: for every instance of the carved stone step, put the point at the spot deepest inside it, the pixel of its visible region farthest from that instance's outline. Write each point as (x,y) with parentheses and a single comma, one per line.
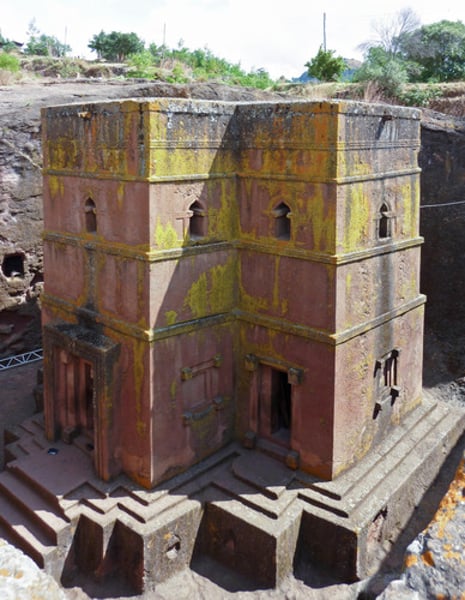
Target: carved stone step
(46,516)
(25,533)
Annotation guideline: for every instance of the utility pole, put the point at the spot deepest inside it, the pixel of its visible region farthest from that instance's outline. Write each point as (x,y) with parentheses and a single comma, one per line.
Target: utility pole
(164,43)
(324,31)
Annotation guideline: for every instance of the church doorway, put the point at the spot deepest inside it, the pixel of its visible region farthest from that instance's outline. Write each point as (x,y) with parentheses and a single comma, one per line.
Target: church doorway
(275,405)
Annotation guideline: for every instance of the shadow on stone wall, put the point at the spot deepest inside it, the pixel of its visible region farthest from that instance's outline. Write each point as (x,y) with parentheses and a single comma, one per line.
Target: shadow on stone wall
(442,224)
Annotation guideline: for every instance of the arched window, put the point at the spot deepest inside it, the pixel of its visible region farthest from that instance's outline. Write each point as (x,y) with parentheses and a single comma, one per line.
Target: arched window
(91,216)
(282,228)
(384,222)
(197,221)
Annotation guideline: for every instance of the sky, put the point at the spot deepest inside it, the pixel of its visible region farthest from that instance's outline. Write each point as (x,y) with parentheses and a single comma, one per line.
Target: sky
(277,36)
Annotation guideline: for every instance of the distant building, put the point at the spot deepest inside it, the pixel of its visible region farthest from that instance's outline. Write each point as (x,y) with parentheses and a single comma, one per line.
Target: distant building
(8,43)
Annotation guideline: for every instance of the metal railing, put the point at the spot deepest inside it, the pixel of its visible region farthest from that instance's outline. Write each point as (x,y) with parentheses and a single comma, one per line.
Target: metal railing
(21,359)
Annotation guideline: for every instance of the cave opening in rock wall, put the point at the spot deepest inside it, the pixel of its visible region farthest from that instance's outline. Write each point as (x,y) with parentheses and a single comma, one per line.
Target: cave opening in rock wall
(13,265)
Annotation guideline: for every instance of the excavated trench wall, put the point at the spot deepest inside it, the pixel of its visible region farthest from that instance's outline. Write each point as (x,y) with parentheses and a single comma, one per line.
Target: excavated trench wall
(442,223)
(20,236)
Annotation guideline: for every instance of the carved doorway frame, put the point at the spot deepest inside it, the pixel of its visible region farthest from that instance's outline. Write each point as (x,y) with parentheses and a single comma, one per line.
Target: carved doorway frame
(101,353)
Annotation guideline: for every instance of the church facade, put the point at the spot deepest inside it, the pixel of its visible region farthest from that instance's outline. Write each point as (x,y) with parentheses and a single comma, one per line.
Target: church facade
(218,271)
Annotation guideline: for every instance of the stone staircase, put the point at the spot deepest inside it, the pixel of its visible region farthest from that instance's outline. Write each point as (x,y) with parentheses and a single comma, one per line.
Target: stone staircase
(31,517)
(25,438)
(33,523)
(426,434)
(54,508)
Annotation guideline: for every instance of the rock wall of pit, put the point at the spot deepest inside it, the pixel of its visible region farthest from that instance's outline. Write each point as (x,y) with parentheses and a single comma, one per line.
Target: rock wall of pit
(442,159)
(20,234)
(442,224)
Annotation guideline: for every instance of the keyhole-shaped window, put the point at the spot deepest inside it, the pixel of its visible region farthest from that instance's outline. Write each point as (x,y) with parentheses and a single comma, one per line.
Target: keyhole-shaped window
(197,221)
(385,222)
(90,216)
(282,228)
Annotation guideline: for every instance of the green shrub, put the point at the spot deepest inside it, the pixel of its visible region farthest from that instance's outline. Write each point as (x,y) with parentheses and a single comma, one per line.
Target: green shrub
(387,72)
(325,66)
(9,62)
(142,64)
(178,75)
(419,96)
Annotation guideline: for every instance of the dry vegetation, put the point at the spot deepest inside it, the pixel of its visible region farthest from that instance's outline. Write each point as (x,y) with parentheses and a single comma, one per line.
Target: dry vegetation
(448,98)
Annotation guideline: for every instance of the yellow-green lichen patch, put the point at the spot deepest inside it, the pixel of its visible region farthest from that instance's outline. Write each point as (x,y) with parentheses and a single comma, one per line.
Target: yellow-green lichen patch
(194,146)
(222,279)
(223,221)
(354,167)
(173,389)
(277,302)
(266,348)
(166,236)
(171,317)
(141,428)
(55,186)
(323,218)
(213,291)
(120,193)
(197,297)
(141,294)
(348,283)
(357,219)
(409,200)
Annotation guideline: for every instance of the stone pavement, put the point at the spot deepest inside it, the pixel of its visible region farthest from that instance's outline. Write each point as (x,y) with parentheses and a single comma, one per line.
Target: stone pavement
(16,396)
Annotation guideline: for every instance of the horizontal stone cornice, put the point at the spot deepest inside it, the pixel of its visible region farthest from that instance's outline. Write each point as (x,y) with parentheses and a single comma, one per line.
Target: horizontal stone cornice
(144,253)
(324,336)
(330,179)
(269,322)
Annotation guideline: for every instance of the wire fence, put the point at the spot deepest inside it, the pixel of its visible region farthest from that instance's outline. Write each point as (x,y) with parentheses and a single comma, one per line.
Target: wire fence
(443,204)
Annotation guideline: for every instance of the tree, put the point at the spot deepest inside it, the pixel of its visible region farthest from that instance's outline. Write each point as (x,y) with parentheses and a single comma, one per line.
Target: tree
(388,33)
(158,52)
(44,45)
(437,49)
(6,45)
(116,46)
(98,44)
(387,71)
(325,66)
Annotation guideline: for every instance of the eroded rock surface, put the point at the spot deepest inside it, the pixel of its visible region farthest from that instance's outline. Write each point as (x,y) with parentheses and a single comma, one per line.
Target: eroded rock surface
(21,579)
(435,560)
